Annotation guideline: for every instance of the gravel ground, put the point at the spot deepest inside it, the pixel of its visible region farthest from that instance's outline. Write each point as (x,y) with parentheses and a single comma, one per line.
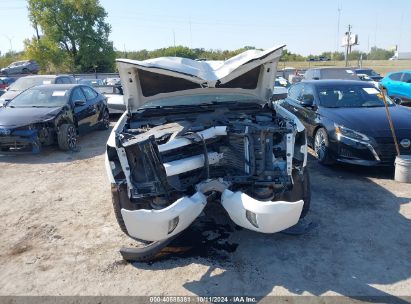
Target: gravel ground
(59,237)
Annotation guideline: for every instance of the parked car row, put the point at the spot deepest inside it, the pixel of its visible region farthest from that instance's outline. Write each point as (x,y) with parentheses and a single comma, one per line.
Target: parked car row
(396,84)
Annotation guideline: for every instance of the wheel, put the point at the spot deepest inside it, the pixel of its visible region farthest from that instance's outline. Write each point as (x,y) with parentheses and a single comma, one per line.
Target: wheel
(321,147)
(25,71)
(301,191)
(147,250)
(105,121)
(67,137)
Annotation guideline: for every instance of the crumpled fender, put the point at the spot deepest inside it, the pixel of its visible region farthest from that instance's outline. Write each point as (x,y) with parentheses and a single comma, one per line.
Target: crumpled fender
(155,225)
(268,217)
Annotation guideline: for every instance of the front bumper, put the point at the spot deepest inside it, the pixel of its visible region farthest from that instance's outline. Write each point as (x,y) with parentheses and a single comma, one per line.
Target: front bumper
(157,225)
(20,141)
(357,152)
(265,217)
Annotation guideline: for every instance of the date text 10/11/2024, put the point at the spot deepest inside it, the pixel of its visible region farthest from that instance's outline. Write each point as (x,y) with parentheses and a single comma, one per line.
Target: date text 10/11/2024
(208,299)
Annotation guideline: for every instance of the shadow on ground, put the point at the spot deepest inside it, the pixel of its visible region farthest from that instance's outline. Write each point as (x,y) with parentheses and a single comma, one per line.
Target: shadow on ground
(362,240)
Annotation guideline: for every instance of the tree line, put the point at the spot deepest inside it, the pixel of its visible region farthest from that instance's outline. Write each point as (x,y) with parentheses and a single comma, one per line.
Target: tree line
(73,36)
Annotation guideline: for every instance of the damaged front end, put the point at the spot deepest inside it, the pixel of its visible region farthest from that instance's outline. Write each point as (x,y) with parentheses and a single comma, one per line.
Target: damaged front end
(249,158)
(196,133)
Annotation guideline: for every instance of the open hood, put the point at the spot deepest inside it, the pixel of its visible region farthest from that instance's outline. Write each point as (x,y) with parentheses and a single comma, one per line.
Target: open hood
(252,72)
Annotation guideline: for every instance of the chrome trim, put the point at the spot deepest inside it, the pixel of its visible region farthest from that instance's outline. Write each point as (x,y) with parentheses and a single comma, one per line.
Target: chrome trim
(368,145)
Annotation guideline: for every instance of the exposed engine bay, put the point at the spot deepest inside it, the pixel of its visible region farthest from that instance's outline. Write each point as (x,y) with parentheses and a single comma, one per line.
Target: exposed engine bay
(247,149)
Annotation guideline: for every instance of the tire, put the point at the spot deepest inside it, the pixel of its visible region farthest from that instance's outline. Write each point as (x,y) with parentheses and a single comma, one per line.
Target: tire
(149,251)
(307,194)
(322,147)
(117,213)
(145,254)
(301,191)
(67,137)
(105,121)
(25,71)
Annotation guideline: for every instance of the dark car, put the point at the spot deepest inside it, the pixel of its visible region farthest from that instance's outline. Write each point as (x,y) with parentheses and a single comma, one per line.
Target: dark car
(27,82)
(5,82)
(346,121)
(21,67)
(370,73)
(330,73)
(49,114)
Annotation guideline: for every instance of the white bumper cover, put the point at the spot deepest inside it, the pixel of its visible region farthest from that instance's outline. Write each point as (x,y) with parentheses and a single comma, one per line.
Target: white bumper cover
(268,217)
(157,225)
(265,217)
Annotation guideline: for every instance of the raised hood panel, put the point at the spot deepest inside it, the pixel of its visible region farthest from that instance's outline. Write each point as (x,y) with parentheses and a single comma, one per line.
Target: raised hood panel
(252,72)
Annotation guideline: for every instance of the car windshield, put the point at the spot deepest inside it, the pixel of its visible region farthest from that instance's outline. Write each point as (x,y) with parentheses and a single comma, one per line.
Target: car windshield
(338,74)
(193,100)
(108,90)
(351,97)
(40,98)
(91,82)
(367,72)
(24,83)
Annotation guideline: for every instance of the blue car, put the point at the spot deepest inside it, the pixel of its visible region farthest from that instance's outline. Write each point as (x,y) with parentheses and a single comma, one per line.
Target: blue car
(398,85)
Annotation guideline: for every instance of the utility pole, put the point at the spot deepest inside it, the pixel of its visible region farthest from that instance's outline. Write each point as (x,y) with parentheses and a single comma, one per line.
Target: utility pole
(10,39)
(338,28)
(174,38)
(348,46)
(191,36)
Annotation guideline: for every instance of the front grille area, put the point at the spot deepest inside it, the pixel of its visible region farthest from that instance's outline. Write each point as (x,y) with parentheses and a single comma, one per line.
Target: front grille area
(386,149)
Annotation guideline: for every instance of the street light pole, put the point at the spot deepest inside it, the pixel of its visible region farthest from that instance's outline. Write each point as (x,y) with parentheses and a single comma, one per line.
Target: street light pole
(348,47)
(10,39)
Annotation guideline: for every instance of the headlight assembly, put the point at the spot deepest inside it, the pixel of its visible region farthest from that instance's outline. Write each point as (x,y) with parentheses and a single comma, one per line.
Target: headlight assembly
(343,131)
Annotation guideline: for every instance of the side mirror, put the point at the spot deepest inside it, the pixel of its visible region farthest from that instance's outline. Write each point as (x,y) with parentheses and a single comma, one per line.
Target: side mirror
(397,100)
(79,103)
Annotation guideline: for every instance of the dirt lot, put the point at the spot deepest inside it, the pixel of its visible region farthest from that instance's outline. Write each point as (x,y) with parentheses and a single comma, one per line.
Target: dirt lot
(59,237)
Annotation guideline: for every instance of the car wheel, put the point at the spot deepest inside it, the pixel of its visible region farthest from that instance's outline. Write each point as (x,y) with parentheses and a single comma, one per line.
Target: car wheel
(67,137)
(301,191)
(105,121)
(146,250)
(321,147)
(26,71)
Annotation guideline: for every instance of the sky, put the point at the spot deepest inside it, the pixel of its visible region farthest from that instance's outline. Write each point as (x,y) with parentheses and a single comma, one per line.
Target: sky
(305,26)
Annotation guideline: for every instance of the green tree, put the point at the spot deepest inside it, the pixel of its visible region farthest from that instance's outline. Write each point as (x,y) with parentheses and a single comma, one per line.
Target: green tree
(288,56)
(356,55)
(9,57)
(379,54)
(74,31)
